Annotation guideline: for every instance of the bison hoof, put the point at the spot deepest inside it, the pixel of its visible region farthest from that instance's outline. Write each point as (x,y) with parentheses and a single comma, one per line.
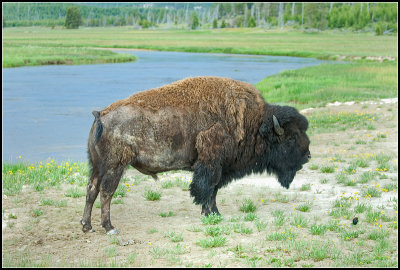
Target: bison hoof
(112,232)
(86,227)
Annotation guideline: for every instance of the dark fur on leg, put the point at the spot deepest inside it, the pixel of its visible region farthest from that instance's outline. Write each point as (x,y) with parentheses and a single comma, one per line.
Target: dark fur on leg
(201,187)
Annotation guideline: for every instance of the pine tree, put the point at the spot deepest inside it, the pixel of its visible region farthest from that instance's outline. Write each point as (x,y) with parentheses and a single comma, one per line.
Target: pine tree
(73,18)
(194,21)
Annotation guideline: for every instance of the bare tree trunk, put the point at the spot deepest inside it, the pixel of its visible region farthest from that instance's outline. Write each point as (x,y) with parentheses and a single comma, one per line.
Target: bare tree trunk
(373,11)
(367,7)
(280,15)
(361,7)
(293,8)
(330,8)
(302,14)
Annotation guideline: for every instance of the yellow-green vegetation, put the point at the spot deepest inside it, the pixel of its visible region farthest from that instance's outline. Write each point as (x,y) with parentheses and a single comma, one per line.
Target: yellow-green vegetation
(318,85)
(324,45)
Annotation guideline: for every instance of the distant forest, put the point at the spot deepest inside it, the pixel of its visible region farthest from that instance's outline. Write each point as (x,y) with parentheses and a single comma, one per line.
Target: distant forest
(327,15)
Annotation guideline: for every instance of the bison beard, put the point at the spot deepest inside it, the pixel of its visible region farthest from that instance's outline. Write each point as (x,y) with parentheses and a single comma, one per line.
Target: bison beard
(219,128)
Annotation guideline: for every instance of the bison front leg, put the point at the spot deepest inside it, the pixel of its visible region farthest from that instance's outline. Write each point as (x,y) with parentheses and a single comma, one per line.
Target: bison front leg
(108,186)
(211,146)
(213,205)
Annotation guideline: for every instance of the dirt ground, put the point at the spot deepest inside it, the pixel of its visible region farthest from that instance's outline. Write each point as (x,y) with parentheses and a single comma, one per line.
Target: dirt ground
(56,238)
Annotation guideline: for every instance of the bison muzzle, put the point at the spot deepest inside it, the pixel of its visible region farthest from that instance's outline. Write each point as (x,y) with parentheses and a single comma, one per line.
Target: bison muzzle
(219,128)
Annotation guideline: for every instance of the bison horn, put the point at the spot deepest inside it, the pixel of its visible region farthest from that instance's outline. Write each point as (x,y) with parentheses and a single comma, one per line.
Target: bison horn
(277,127)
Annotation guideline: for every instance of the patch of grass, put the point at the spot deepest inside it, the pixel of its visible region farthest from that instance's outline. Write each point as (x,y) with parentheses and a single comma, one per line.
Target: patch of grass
(151,195)
(318,229)
(242,229)
(306,207)
(151,231)
(327,169)
(299,221)
(167,184)
(305,187)
(42,175)
(360,208)
(45,201)
(120,191)
(211,219)
(169,214)
(174,237)
(279,217)
(250,217)
(194,228)
(212,242)
(314,167)
(378,234)
(372,216)
(260,225)
(182,184)
(282,198)
(12,215)
(280,236)
(366,177)
(349,235)
(37,212)
(74,192)
(248,206)
(216,230)
(117,201)
(371,192)
(360,82)
(361,162)
(324,181)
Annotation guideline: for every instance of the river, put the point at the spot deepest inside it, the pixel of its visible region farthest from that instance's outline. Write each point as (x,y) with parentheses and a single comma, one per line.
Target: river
(47,109)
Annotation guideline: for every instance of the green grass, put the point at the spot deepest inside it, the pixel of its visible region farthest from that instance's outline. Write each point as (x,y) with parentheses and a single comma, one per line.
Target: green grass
(42,175)
(174,237)
(211,219)
(75,192)
(248,206)
(305,187)
(151,195)
(317,85)
(41,54)
(306,207)
(169,214)
(280,236)
(321,122)
(212,242)
(325,45)
(318,229)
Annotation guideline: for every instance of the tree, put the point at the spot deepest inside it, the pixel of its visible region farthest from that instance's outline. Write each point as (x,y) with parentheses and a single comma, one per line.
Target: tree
(223,24)
(280,16)
(252,22)
(73,18)
(215,23)
(195,21)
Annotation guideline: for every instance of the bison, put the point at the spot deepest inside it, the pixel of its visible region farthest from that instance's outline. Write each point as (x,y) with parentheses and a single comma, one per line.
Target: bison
(219,128)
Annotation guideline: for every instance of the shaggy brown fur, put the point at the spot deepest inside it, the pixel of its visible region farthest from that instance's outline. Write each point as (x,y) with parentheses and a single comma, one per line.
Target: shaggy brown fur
(217,127)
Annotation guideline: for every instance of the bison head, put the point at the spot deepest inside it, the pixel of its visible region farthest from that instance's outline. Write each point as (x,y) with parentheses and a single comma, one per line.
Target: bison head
(287,145)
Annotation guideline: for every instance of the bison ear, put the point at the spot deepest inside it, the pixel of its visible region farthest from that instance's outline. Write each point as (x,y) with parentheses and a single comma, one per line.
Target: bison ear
(264,129)
(277,128)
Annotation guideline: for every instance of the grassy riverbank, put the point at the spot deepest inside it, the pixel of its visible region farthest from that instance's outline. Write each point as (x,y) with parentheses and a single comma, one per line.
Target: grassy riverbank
(318,85)
(18,43)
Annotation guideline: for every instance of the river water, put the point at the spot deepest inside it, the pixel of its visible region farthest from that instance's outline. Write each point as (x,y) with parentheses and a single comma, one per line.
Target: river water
(47,109)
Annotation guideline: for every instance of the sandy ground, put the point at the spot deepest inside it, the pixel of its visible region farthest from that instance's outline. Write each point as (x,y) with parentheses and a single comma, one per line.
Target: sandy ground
(56,239)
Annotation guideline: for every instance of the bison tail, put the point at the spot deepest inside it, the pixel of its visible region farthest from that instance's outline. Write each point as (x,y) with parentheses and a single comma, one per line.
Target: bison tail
(99,126)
